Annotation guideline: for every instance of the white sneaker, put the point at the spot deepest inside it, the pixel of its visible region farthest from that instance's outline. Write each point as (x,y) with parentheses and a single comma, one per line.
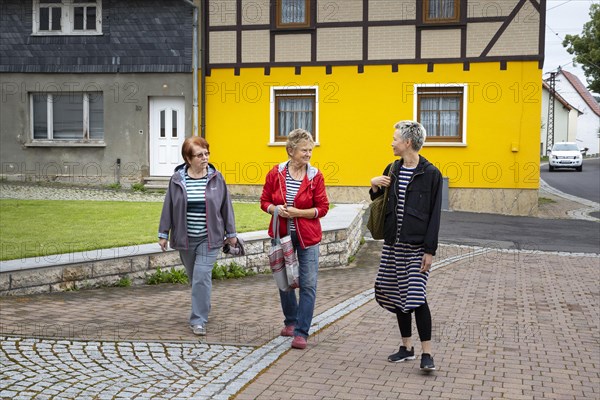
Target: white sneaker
(198,330)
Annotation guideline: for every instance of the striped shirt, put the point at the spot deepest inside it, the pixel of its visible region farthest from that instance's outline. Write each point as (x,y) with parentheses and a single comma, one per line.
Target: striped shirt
(404,178)
(196,206)
(291,187)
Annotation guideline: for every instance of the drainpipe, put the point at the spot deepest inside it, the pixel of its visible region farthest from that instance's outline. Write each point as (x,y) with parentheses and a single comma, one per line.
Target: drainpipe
(195,71)
(203,68)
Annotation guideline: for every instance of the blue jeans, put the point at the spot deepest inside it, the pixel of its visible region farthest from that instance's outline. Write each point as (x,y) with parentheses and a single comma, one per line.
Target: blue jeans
(300,312)
(199,261)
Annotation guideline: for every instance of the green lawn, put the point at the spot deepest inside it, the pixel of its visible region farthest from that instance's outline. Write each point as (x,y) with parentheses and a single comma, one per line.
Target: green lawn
(30,228)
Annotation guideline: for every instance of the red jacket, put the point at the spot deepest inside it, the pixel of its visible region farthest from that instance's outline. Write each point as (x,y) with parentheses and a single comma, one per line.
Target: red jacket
(311,194)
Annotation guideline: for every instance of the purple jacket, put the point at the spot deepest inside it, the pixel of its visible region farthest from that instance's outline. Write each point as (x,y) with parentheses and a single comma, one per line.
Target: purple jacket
(220,220)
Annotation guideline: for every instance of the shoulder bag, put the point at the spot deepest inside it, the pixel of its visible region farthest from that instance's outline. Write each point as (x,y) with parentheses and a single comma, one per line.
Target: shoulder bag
(377,212)
(282,259)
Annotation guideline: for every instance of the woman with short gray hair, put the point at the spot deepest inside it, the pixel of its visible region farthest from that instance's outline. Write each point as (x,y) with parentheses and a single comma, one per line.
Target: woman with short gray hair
(411,227)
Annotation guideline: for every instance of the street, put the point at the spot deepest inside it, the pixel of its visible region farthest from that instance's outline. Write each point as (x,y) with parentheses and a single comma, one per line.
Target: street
(584,184)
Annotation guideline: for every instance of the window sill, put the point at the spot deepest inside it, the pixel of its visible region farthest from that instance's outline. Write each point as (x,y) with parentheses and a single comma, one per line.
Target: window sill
(294,29)
(444,144)
(282,144)
(43,34)
(66,143)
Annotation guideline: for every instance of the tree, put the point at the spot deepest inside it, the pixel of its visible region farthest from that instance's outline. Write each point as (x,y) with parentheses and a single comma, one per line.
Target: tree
(586,48)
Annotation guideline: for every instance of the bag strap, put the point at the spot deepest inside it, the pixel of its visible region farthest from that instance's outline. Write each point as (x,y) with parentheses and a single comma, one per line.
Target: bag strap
(387,188)
(276,238)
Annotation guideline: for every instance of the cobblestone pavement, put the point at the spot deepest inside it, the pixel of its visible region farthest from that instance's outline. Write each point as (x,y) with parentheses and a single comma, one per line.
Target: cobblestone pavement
(507,324)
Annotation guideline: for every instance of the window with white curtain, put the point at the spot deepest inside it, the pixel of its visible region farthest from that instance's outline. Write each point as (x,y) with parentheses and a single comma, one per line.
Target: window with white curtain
(440,111)
(67,116)
(441,11)
(67,17)
(291,109)
(293,13)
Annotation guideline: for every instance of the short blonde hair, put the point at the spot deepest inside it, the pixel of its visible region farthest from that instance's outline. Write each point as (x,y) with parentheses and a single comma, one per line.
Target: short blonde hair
(295,137)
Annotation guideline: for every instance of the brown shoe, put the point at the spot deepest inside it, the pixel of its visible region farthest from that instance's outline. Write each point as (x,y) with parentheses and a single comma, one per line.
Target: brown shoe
(299,342)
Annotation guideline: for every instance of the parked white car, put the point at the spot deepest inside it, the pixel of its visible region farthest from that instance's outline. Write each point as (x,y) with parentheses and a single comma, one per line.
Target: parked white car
(565,155)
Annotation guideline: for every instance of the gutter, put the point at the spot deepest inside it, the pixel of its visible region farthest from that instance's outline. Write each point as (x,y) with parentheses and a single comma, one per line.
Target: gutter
(195,52)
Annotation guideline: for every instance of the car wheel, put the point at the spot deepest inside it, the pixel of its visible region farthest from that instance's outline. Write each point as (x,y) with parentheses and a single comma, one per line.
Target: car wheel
(550,168)
(580,168)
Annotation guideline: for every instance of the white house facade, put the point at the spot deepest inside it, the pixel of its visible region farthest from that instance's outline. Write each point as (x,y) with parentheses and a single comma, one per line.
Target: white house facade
(569,87)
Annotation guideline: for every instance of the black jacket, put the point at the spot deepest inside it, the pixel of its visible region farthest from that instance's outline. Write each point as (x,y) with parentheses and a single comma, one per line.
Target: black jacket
(422,206)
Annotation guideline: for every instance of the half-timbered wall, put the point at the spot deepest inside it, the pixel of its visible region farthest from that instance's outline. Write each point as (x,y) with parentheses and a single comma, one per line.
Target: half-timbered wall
(241,33)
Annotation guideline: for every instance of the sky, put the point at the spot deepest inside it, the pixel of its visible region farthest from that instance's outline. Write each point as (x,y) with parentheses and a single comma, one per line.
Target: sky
(564,17)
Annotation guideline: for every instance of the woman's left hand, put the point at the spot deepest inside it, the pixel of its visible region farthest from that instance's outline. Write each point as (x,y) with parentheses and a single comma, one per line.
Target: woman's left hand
(232,241)
(426,262)
(293,212)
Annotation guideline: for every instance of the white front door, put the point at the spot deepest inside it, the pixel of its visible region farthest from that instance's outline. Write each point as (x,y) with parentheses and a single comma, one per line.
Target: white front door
(167,133)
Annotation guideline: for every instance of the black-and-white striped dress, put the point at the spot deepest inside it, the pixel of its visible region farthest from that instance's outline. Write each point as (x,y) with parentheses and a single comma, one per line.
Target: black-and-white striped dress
(400,284)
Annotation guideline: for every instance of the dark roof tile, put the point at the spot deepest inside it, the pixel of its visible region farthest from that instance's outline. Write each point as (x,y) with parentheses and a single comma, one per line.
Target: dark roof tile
(147,36)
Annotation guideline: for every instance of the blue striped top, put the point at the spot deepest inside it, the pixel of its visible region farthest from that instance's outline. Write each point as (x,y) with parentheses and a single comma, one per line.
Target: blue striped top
(196,206)
(404,178)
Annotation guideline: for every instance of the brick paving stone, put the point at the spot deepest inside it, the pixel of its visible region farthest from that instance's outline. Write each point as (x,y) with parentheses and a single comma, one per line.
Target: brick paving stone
(506,325)
(501,342)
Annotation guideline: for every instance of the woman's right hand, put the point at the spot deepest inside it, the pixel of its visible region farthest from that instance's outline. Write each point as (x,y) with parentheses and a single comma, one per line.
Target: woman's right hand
(380,181)
(163,243)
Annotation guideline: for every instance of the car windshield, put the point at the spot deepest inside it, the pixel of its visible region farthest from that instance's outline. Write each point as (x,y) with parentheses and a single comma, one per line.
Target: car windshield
(565,147)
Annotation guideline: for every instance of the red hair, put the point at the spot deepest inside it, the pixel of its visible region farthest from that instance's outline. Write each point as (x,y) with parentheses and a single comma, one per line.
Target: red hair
(187,150)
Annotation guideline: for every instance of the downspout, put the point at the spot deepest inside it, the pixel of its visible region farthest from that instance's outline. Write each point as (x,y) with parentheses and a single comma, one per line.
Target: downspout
(195,70)
(203,67)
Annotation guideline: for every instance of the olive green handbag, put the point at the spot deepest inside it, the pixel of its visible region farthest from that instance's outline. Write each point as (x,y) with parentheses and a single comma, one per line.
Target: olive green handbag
(377,212)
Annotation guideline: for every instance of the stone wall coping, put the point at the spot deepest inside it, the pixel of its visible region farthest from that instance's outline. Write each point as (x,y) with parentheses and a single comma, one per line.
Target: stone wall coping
(339,217)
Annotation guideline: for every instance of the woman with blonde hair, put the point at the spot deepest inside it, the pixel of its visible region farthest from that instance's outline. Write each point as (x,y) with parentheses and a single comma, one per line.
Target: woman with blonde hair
(297,190)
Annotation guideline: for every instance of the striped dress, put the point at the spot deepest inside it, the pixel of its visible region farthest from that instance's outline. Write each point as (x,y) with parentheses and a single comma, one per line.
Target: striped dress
(400,285)
(196,206)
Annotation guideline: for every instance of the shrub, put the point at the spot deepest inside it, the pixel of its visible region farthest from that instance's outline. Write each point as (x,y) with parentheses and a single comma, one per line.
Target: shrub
(138,187)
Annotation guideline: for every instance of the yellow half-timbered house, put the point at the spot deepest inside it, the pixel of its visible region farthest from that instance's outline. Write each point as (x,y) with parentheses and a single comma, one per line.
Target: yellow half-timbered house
(347,70)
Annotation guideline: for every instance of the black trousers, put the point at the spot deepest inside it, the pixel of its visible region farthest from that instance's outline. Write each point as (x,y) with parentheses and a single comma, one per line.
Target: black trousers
(423,319)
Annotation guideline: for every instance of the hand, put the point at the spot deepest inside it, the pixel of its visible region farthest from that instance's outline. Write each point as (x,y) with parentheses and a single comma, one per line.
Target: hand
(283,211)
(380,181)
(426,262)
(232,241)
(163,243)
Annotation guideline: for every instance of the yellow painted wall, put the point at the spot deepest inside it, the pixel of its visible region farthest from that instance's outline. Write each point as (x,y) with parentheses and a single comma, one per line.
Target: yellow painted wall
(356,117)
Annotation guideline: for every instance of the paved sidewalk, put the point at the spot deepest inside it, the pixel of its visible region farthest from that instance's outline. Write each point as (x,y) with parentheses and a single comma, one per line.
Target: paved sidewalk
(507,324)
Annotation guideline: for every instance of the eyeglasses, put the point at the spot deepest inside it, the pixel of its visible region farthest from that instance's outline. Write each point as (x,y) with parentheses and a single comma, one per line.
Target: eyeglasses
(201,155)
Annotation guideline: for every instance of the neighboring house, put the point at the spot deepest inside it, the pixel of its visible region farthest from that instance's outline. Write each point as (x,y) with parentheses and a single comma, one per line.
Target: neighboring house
(348,70)
(94,91)
(588,124)
(565,120)
(344,70)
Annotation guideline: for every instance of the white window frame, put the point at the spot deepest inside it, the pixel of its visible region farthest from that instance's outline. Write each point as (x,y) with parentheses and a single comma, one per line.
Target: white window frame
(68,19)
(272,141)
(50,120)
(465,97)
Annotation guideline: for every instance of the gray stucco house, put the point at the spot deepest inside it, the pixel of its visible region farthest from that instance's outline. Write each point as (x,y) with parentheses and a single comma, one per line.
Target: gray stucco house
(94,91)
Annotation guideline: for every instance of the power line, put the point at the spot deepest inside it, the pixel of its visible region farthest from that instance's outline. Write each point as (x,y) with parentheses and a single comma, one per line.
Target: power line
(562,4)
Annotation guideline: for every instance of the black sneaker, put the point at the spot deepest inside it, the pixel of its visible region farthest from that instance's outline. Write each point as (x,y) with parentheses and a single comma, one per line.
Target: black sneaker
(402,355)
(427,362)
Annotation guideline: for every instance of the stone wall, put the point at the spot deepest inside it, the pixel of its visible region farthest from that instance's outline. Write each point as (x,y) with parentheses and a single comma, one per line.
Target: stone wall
(59,273)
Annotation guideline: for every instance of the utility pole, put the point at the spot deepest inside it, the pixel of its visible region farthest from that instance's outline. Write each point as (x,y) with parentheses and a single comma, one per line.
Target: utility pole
(551,97)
